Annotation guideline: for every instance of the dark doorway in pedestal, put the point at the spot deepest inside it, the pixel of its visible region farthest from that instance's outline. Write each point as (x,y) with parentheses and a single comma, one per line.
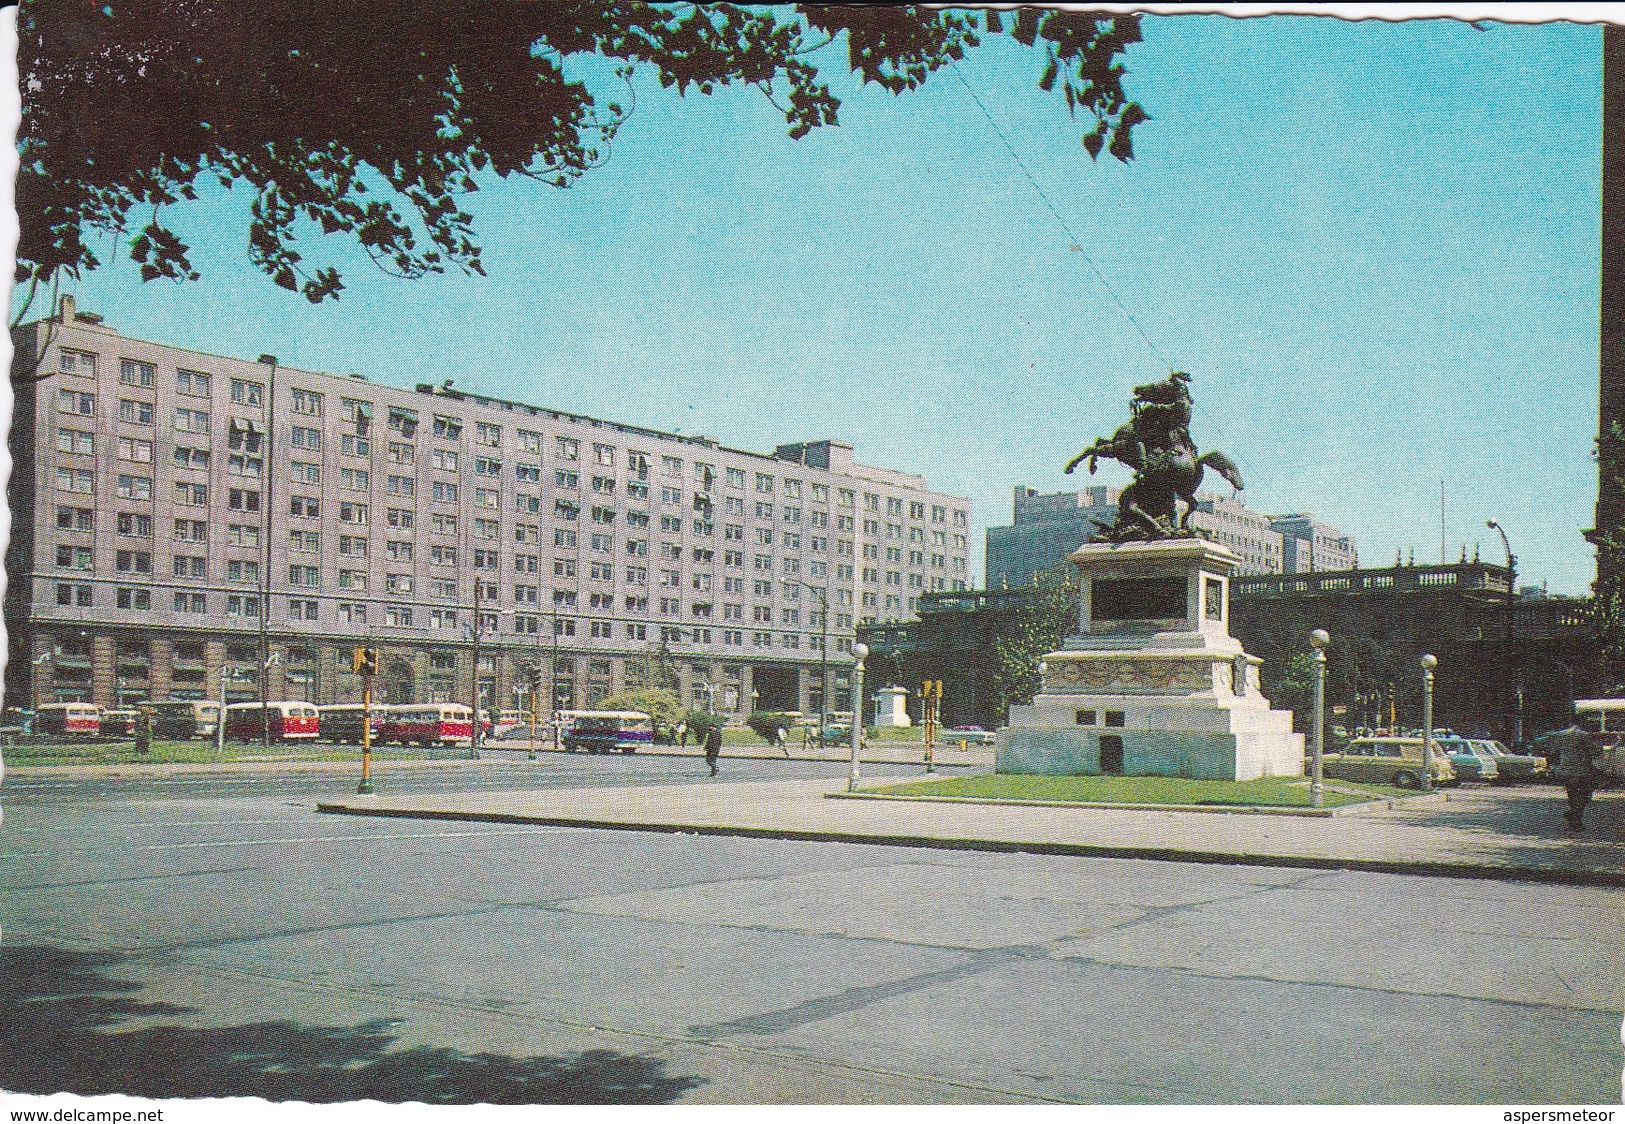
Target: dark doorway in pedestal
(1111,754)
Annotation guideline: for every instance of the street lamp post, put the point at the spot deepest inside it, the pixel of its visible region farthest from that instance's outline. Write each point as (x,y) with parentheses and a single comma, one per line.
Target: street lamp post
(554,719)
(269,445)
(1517,718)
(860,651)
(475,740)
(823,649)
(1429,662)
(1506,636)
(1318,639)
(34,679)
(220,716)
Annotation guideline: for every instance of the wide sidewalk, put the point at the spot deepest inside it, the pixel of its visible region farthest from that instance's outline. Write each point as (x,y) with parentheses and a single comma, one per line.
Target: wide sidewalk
(1515,833)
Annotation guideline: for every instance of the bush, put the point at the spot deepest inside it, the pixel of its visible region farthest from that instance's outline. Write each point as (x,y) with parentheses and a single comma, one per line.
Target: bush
(658,703)
(767,723)
(699,723)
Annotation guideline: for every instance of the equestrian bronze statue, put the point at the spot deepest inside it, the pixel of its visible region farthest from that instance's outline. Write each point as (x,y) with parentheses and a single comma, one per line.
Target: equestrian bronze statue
(1156,443)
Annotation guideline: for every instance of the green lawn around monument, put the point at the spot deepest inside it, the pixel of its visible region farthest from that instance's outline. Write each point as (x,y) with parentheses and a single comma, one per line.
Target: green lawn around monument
(1266,792)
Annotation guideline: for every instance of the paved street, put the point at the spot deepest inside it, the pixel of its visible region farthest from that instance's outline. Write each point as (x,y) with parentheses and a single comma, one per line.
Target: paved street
(193,936)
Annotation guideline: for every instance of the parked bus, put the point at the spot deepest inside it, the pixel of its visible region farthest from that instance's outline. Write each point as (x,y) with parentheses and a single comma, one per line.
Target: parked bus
(184,718)
(285,721)
(342,723)
(428,724)
(1604,721)
(120,723)
(603,731)
(69,718)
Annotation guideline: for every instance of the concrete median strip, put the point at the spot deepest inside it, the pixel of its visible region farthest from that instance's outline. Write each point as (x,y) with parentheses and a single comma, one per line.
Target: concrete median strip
(1418,836)
(1231,809)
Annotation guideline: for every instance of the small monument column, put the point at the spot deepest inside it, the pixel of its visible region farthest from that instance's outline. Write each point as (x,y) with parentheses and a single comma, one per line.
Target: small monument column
(891,707)
(1152,683)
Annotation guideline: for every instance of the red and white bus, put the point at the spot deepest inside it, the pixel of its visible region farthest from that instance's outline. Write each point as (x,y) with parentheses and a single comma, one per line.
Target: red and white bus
(428,724)
(69,718)
(286,721)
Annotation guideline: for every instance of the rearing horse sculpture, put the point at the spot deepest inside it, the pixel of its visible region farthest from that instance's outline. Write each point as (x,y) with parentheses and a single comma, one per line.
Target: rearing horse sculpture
(1156,444)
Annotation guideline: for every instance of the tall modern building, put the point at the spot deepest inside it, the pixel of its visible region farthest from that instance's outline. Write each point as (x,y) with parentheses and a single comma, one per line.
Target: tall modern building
(1045,528)
(181,520)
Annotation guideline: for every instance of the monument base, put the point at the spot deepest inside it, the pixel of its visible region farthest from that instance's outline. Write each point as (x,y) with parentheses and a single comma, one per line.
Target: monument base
(1153,684)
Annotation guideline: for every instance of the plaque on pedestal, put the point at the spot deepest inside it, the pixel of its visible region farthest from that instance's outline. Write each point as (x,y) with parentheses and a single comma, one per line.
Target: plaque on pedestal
(1152,683)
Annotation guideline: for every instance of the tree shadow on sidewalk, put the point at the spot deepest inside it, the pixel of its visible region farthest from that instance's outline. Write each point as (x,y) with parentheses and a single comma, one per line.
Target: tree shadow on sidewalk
(1528,812)
(59,1014)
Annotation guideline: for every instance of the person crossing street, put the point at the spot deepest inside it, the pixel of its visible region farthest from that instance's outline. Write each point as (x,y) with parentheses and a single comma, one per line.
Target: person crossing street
(713,747)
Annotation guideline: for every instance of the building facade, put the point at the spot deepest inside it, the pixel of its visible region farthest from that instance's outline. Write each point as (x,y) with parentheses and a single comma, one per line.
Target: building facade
(180,520)
(1509,666)
(1045,528)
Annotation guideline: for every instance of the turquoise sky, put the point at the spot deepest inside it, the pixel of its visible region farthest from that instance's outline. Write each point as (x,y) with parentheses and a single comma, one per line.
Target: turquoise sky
(1374,245)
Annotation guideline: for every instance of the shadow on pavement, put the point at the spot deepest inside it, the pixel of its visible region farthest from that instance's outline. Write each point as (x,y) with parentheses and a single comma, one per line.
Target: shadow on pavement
(1530,811)
(59,1014)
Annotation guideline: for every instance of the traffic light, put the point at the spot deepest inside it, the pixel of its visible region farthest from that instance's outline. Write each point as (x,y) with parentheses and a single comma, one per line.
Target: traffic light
(364,661)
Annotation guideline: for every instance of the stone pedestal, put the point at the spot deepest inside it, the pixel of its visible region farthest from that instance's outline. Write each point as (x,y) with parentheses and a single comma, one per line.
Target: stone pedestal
(1152,683)
(891,707)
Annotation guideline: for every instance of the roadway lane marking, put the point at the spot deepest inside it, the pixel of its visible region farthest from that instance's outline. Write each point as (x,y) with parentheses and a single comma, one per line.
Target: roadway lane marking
(302,839)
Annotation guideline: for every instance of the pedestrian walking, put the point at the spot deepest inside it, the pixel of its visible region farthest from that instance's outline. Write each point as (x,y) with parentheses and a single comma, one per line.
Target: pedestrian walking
(781,738)
(713,747)
(682,733)
(1577,765)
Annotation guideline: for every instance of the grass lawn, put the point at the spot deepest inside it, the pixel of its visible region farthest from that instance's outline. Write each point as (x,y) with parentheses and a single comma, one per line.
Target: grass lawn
(185,753)
(1268,792)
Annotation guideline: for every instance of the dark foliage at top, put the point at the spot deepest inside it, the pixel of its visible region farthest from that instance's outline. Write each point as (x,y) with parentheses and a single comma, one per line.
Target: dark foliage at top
(372,119)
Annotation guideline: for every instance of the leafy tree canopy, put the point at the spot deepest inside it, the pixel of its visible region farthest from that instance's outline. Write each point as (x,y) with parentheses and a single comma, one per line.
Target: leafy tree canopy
(372,119)
(658,703)
(1037,627)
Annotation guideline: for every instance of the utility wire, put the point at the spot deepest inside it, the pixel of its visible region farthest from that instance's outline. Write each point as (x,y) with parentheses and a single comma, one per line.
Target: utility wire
(1077,243)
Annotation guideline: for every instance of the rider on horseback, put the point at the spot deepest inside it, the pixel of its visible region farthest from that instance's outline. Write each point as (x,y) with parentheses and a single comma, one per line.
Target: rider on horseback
(1162,419)
(1156,443)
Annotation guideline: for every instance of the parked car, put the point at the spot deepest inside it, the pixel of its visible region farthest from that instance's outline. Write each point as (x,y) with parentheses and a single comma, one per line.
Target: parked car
(1391,761)
(1516,766)
(1471,759)
(835,734)
(971,735)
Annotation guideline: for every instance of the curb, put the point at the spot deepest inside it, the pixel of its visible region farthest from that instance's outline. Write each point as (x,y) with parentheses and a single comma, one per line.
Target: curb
(1375,804)
(1013,846)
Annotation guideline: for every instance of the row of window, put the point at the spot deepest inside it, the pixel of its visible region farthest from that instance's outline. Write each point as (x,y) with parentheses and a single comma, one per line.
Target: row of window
(188,420)
(140,599)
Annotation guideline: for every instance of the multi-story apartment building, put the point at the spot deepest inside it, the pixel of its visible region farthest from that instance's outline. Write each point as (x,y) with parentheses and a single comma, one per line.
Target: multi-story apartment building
(1308,544)
(1045,528)
(181,519)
